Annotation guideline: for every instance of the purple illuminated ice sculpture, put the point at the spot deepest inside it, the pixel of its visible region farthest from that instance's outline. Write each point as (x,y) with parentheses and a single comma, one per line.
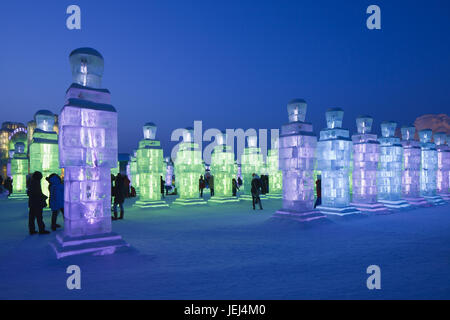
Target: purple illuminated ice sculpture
(440,138)
(87,152)
(297,146)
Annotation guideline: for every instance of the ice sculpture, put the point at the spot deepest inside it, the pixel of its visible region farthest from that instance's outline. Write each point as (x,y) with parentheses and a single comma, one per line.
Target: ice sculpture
(150,167)
(333,160)
(429,168)
(88,151)
(273,171)
(222,168)
(134,172)
(389,175)
(188,169)
(169,171)
(411,168)
(366,153)
(443,150)
(19,171)
(44,148)
(251,162)
(297,146)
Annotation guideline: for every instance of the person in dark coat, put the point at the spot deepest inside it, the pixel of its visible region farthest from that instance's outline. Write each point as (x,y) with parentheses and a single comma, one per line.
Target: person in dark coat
(162,183)
(211,185)
(1,180)
(119,196)
(8,184)
(56,202)
(36,203)
(201,185)
(126,183)
(256,191)
(318,191)
(235,187)
(239,181)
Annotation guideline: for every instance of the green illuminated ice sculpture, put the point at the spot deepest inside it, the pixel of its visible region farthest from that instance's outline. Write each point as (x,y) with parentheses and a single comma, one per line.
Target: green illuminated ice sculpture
(19,171)
(274,173)
(251,162)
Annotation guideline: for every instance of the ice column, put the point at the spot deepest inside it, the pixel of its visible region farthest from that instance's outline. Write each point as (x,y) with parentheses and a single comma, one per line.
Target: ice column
(297,146)
(429,168)
(275,174)
(389,175)
(169,171)
(223,168)
(188,169)
(88,151)
(251,162)
(44,148)
(19,171)
(366,151)
(150,167)
(333,160)
(440,139)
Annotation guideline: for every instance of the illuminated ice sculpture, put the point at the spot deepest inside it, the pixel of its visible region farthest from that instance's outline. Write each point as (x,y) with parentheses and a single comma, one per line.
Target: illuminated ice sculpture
(223,169)
(150,167)
(88,151)
(333,160)
(44,148)
(274,172)
(429,168)
(440,138)
(366,153)
(134,172)
(19,171)
(251,162)
(389,174)
(188,169)
(411,168)
(297,146)
(169,172)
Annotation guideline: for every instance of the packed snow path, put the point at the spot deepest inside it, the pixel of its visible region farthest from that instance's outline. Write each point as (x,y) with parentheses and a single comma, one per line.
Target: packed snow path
(232,252)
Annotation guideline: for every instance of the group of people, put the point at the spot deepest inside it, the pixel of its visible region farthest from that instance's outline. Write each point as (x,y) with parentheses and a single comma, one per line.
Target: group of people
(207,182)
(120,189)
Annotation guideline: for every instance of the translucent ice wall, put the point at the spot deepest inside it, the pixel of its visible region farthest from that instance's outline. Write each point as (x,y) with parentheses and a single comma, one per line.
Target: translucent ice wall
(440,138)
(411,163)
(429,164)
(251,162)
(389,175)
(19,169)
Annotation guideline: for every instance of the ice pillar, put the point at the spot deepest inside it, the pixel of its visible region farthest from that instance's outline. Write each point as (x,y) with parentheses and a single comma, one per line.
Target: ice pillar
(297,146)
(88,151)
(429,168)
(274,172)
(440,138)
(366,153)
(333,160)
(223,168)
(150,167)
(19,171)
(188,169)
(251,163)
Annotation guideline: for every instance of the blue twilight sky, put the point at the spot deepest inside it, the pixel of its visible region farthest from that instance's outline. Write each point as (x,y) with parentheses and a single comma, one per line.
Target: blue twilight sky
(232,64)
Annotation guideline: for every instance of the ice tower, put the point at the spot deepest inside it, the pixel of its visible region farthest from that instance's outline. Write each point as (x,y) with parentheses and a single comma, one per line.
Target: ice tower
(88,151)
(429,168)
(44,148)
(297,146)
(150,167)
(19,171)
(333,160)
(411,168)
(223,168)
(274,172)
(443,150)
(251,162)
(366,153)
(188,169)
(389,175)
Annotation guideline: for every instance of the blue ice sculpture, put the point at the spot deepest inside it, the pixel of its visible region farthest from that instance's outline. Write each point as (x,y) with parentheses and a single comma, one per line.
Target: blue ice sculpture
(440,138)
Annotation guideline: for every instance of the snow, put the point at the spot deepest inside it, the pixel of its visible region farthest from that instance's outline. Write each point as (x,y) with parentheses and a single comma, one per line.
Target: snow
(232,252)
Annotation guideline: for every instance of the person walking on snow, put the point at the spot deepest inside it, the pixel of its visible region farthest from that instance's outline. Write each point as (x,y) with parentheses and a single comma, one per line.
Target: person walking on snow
(36,203)
(256,191)
(119,196)
(56,201)
(201,186)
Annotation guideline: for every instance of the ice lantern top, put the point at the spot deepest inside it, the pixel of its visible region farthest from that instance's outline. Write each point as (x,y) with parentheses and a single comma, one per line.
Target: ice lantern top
(45,120)
(252,141)
(19,147)
(297,110)
(388,128)
(87,67)
(149,130)
(364,124)
(188,134)
(425,135)
(408,133)
(334,118)
(439,138)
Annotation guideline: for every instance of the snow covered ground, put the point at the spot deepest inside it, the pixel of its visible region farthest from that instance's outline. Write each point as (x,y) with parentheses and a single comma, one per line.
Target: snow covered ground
(233,252)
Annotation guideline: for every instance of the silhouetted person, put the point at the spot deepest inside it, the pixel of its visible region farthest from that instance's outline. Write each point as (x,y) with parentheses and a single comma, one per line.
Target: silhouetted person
(113,179)
(256,191)
(56,201)
(235,187)
(119,196)
(318,191)
(36,203)
(201,185)
(211,185)
(126,183)
(239,181)
(162,183)
(1,180)
(8,184)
